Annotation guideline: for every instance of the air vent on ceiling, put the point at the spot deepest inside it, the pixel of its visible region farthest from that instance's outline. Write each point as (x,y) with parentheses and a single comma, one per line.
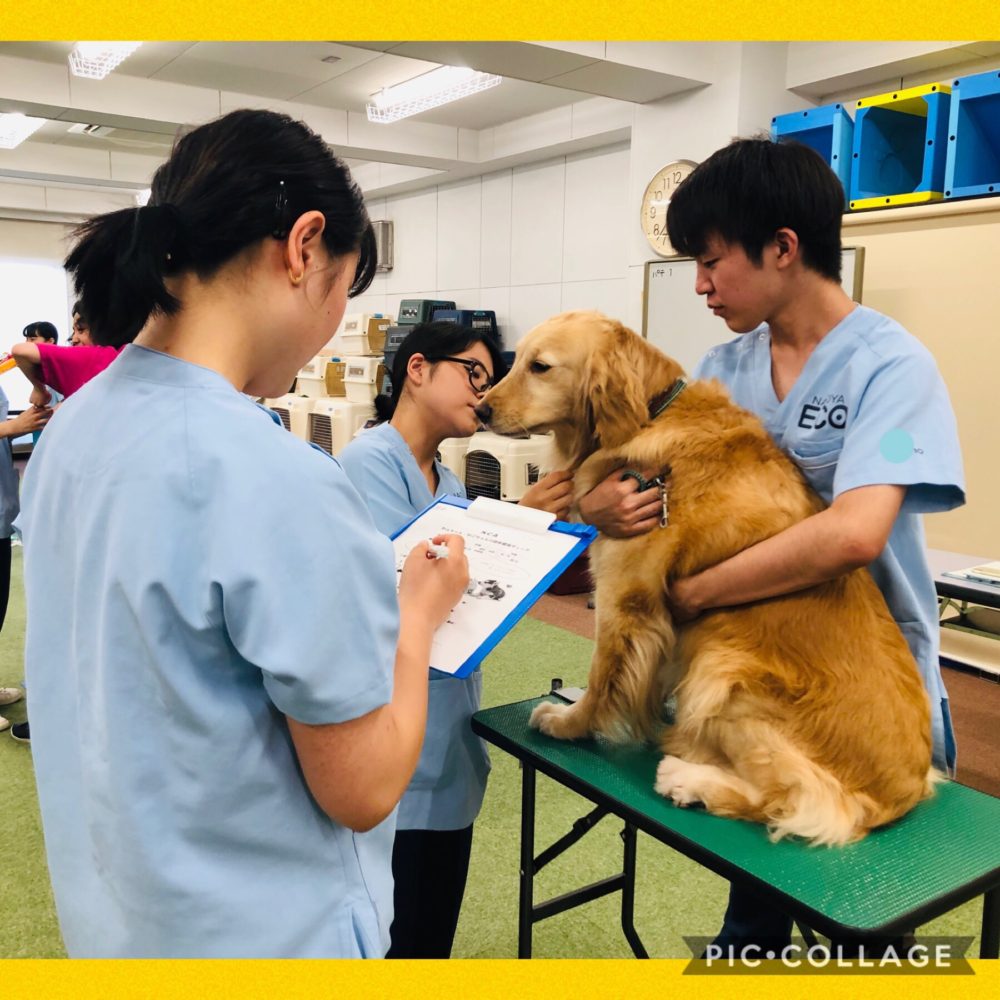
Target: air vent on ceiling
(80,128)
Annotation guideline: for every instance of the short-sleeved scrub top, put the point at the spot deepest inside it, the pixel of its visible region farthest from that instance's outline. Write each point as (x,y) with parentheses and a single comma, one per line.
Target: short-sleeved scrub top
(194,575)
(869,408)
(448,786)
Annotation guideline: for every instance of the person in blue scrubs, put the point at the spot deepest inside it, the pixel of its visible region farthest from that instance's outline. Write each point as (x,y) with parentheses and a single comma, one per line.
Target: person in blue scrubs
(439,375)
(228,699)
(29,420)
(856,401)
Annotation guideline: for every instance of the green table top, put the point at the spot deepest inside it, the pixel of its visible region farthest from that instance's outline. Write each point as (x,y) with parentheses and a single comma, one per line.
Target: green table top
(944,852)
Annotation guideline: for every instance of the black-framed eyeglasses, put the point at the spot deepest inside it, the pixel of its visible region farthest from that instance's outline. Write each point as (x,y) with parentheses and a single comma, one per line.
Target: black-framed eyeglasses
(479,378)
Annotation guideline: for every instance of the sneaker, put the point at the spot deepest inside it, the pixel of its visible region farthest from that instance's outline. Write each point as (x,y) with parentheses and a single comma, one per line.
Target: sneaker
(9,695)
(4,723)
(19,732)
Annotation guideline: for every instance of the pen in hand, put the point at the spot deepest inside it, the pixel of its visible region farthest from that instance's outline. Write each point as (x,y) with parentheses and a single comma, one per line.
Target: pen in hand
(435,551)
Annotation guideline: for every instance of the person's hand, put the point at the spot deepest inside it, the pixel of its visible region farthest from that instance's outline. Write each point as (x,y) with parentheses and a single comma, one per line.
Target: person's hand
(32,419)
(430,587)
(40,396)
(552,493)
(617,509)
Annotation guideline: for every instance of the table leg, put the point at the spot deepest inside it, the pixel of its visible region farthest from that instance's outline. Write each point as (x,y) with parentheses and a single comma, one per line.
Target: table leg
(526,901)
(628,893)
(989,940)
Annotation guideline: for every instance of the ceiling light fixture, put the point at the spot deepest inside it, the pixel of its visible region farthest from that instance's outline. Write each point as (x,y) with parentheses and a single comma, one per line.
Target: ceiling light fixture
(15,128)
(439,86)
(95,60)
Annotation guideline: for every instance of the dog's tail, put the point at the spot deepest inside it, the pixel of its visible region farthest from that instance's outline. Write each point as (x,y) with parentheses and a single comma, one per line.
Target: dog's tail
(811,803)
(815,805)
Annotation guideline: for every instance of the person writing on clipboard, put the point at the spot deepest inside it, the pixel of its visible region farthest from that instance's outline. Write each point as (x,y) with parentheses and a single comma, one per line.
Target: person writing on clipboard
(440,374)
(218,759)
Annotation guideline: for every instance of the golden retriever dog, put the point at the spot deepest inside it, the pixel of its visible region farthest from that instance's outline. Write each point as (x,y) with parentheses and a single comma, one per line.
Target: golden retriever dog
(804,712)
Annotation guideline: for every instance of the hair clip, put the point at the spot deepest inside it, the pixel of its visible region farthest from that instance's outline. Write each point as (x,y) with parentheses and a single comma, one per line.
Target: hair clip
(280,230)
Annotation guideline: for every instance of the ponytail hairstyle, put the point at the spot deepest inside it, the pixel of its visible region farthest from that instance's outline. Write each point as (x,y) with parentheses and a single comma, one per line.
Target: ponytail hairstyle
(228,185)
(434,340)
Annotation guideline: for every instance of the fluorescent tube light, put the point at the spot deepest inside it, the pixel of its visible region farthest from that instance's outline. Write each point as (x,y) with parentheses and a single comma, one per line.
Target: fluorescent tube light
(15,128)
(95,60)
(439,86)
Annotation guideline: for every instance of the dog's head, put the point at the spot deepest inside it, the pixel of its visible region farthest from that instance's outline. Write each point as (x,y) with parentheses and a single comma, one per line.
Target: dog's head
(585,377)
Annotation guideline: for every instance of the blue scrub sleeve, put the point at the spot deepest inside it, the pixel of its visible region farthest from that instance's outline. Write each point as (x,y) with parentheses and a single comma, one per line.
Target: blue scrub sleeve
(311,599)
(904,434)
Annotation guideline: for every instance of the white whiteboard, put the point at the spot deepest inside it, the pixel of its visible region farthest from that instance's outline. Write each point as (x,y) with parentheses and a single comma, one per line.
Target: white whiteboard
(676,320)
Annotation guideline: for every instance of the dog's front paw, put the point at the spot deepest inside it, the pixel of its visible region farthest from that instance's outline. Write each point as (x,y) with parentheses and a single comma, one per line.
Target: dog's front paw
(552,719)
(675,779)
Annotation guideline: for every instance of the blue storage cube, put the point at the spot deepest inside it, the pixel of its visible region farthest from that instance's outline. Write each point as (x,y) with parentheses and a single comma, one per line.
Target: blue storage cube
(829,130)
(973,163)
(899,147)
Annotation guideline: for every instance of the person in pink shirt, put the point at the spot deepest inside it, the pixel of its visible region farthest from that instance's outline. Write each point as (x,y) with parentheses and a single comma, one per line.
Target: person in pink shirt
(65,369)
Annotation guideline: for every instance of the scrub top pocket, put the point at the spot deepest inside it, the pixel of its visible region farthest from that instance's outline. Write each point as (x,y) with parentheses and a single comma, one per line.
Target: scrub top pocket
(818,463)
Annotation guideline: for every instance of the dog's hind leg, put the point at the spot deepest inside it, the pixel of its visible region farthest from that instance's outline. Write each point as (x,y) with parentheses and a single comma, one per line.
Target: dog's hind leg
(721,792)
(625,690)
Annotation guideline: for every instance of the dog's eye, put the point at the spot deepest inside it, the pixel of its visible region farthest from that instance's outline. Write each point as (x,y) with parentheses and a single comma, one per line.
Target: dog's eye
(539,367)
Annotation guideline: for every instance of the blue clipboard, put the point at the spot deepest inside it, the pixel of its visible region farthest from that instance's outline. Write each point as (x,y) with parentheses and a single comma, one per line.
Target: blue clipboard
(584,534)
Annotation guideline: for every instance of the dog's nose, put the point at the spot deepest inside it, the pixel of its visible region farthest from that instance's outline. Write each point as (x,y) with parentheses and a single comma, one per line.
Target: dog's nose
(484,411)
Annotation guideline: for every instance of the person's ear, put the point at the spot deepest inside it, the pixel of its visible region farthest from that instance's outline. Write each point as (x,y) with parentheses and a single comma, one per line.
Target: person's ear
(417,368)
(302,244)
(786,242)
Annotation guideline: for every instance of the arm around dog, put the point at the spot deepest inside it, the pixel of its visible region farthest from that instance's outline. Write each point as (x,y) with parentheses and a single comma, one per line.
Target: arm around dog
(849,534)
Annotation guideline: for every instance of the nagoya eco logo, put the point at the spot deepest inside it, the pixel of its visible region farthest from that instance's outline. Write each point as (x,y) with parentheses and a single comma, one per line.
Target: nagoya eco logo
(824,411)
(934,956)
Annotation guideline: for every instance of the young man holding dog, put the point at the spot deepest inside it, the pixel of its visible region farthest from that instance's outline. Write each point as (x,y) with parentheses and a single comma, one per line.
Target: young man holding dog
(855,400)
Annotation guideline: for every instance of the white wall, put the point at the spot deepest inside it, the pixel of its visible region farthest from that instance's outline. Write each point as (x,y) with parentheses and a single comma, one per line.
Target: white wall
(526,242)
(30,251)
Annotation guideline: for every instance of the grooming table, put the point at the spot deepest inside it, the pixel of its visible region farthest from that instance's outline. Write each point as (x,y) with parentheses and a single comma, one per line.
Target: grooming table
(942,854)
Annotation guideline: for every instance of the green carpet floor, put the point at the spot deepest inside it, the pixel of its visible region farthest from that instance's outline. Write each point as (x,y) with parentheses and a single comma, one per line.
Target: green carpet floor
(675,897)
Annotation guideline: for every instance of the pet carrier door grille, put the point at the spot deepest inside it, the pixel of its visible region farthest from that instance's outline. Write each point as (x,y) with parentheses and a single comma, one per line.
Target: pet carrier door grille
(286,421)
(321,431)
(482,475)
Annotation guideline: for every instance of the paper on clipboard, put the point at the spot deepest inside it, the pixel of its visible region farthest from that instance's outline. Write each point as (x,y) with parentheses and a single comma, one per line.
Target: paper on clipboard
(512,554)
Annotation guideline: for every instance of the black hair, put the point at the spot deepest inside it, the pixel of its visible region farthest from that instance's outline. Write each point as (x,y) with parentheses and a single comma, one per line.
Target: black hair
(748,190)
(433,340)
(47,331)
(77,310)
(227,185)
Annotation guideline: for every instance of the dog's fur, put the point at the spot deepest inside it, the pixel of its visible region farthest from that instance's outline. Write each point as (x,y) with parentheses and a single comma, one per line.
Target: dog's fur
(805,712)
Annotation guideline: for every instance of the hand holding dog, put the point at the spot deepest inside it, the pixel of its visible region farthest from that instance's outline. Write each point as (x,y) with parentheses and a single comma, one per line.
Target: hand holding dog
(617,509)
(552,493)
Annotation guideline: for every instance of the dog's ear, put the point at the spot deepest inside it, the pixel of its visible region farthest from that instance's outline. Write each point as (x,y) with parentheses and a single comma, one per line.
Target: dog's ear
(616,389)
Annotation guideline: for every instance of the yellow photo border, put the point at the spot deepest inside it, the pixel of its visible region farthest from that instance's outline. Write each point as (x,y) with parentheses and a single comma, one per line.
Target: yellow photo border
(631,20)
